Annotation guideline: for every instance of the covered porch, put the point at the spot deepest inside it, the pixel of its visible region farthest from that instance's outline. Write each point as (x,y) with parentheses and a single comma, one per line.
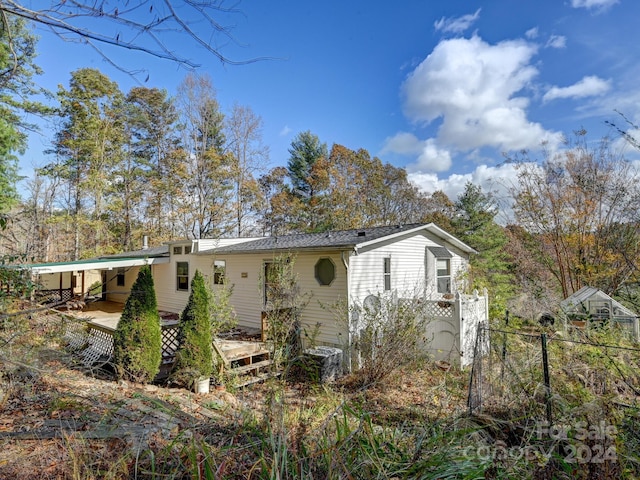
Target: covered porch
(72,284)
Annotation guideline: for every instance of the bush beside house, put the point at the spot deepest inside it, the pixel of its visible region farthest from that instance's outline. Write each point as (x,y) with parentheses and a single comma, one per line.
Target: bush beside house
(194,358)
(137,342)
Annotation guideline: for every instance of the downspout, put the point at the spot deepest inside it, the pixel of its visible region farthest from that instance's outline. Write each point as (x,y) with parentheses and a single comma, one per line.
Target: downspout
(346,266)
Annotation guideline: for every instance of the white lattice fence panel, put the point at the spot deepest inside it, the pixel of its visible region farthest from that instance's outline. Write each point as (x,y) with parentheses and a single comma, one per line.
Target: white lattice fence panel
(100,347)
(75,335)
(169,343)
(440,309)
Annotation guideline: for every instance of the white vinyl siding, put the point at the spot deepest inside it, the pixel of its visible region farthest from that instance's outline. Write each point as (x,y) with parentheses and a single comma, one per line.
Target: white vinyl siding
(120,293)
(247,296)
(164,277)
(412,271)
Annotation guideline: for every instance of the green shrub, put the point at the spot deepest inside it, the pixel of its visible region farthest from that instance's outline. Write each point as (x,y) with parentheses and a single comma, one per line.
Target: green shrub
(284,305)
(137,342)
(223,317)
(194,358)
(95,288)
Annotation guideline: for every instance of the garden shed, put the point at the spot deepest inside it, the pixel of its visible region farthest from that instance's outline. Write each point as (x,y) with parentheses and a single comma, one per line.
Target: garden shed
(590,305)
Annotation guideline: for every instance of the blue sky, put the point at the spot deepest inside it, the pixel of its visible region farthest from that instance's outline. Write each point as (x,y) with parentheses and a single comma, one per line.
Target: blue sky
(442,88)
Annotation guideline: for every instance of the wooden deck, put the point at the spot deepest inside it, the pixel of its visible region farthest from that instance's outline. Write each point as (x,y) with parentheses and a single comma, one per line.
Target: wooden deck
(241,354)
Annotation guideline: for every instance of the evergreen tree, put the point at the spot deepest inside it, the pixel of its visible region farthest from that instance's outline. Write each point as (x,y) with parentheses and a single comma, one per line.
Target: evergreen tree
(194,358)
(474,224)
(137,342)
(306,149)
(17,93)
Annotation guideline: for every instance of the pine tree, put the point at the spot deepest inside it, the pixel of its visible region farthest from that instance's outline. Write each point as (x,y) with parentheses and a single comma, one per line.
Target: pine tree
(474,224)
(194,358)
(137,342)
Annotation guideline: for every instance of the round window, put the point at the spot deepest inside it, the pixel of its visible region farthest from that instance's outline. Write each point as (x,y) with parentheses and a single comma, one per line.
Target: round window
(325,271)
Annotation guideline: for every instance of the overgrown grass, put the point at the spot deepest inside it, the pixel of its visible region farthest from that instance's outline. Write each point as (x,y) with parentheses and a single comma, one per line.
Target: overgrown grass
(412,424)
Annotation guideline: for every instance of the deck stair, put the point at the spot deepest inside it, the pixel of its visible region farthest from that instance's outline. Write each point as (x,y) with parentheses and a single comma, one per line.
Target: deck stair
(250,362)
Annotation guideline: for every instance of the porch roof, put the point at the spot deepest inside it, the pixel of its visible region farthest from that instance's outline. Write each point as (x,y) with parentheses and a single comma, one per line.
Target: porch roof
(94,264)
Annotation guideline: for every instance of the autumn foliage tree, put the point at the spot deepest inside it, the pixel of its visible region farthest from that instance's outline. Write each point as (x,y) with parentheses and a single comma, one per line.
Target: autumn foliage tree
(580,206)
(344,189)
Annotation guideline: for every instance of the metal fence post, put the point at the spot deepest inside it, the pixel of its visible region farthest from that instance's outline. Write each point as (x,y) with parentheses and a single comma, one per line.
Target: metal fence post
(547,382)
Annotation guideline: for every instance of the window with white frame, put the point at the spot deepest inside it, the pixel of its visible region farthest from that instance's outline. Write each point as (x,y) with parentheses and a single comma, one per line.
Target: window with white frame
(182,276)
(219,270)
(387,273)
(443,275)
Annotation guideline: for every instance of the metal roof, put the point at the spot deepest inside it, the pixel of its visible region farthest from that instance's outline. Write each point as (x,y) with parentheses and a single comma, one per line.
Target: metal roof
(440,252)
(143,253)
(586,294)
(94,264)
(147,256)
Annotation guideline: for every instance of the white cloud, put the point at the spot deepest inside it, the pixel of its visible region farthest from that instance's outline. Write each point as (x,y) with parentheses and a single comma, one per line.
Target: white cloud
(496,180)
(557,41)
(473,87)
(456,24)
(402,143)
(587,87)
(285,131)
(593,4)
(429,156)
(531,33)
(432,158)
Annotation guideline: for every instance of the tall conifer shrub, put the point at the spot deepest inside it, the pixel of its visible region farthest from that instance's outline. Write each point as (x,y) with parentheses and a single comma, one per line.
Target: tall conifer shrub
(194,358)
(137,342)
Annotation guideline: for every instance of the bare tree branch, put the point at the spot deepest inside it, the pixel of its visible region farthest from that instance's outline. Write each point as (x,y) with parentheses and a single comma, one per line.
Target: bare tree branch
(142,24)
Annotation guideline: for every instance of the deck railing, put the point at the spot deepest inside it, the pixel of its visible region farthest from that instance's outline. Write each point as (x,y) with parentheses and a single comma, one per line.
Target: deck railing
(97,346)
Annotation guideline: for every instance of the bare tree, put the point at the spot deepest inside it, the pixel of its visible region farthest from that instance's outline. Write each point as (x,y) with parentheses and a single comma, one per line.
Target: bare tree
(207,180)
(140,25)
(581,207)
(244,136)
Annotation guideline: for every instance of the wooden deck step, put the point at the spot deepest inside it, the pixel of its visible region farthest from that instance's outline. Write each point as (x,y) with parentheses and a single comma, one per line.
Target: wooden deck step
(257,356)
(251,367)
(239,349)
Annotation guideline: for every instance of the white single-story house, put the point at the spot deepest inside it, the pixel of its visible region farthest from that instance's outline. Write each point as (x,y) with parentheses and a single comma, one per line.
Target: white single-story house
(352,268)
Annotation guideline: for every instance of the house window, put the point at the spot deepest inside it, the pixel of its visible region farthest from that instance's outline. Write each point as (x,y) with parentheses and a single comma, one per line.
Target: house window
(443,275)
(325,271)
(387,273)
(270,280)
(177,250)
(187,249)
(120,277)
(219,270)
(182,276)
